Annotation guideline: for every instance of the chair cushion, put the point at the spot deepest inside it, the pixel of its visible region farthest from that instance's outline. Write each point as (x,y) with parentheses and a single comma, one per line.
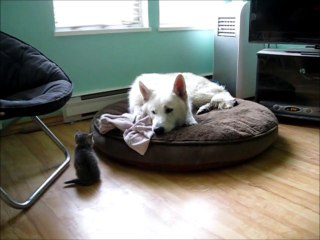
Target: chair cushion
(31,84)
(221,138)
(37,101)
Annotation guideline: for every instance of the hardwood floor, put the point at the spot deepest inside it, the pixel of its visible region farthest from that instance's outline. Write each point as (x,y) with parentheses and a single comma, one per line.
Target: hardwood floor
(274,196)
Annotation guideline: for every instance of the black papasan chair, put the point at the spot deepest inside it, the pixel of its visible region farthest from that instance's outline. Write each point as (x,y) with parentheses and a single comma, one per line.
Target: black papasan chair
(31,85)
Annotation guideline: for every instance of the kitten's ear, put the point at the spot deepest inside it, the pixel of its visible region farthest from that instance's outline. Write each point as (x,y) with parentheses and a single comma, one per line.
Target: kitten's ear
(145,92)
(76,135)
(90,138)
(90,135)
(179,87)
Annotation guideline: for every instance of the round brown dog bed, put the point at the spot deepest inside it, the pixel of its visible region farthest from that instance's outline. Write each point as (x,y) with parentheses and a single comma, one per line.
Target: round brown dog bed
(221,138)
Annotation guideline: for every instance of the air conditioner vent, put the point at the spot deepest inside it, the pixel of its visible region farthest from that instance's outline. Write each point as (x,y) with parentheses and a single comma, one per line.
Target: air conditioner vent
(226,26)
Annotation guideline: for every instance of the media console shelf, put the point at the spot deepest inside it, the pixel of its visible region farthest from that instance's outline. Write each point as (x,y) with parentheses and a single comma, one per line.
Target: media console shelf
(288,82)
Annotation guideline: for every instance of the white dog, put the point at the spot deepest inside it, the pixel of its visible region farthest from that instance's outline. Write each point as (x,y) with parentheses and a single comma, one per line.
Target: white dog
(168,99)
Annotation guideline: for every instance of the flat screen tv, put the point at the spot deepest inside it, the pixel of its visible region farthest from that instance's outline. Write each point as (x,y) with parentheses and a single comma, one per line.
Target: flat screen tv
(285,21)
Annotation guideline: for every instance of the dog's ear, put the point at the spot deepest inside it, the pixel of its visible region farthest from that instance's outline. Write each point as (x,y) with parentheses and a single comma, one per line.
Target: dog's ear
(179,87)
(146,92)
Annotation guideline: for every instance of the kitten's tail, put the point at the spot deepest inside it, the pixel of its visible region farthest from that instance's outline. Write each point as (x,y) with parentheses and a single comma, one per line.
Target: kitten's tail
(79,182)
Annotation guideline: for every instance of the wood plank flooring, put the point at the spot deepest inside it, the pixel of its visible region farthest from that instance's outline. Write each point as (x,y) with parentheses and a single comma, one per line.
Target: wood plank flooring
(274,196)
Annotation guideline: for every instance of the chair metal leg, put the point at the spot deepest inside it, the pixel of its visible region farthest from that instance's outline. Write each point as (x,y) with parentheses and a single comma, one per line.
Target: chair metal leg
(37,193)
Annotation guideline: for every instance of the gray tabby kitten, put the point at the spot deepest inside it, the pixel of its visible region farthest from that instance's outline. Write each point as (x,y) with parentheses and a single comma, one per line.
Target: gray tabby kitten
(85,161)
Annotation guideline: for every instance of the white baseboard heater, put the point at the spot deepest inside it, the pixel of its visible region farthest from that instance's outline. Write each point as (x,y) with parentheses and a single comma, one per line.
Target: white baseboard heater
(85,106)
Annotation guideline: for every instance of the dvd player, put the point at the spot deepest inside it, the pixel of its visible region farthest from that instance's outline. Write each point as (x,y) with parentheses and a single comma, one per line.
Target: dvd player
(289,110)
(288,83)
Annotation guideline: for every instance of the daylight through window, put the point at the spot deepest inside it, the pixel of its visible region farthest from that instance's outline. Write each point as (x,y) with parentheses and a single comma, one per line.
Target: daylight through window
(194,14)
(111,14)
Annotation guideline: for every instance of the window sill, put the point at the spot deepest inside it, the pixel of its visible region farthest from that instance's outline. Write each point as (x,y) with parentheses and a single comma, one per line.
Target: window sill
(95,30)
(177,28)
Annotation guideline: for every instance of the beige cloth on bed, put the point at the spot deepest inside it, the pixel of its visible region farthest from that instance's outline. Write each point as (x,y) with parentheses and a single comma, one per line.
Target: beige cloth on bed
(137,135)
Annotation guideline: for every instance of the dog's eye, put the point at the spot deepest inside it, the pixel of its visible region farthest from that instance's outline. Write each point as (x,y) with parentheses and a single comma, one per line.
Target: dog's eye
(169,110)
(154,112)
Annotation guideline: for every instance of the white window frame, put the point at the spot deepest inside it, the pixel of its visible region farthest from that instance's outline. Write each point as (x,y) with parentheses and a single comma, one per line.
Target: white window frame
(89,29)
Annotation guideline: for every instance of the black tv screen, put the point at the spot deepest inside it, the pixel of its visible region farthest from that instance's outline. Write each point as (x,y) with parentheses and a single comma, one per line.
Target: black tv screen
(285,21)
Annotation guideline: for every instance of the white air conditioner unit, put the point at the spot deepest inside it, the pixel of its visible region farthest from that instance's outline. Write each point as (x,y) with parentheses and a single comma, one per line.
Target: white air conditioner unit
(235,58)
(85,106)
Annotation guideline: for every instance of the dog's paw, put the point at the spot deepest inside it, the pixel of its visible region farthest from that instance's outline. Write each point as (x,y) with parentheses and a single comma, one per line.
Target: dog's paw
(191,121)
(227,104)
(204,109)
(235,102)
(137,118)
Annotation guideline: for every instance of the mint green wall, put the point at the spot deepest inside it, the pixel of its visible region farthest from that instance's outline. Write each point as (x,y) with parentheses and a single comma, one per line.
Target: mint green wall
(106,61)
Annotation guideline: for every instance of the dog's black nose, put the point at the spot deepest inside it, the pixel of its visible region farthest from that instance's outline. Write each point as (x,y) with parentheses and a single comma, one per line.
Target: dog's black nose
(159,130)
